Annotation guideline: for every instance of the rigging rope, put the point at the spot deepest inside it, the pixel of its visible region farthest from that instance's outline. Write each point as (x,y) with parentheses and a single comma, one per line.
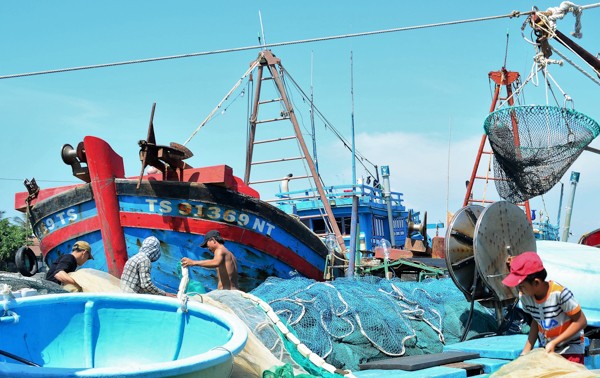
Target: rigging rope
(576,66)
(263,46)
(548,26)
(212,113)
(333,129)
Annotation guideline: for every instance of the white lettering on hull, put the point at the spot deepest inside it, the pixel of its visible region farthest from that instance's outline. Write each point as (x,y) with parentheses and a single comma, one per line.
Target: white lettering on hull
(165,207)
(212,212)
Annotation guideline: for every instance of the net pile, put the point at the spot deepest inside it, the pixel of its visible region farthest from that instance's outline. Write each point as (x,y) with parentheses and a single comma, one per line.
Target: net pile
(352,321)
(17,282)
(265,349)
(531,161)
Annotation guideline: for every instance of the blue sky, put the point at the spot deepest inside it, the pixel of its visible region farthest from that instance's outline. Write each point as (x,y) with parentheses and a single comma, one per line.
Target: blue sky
(420,96)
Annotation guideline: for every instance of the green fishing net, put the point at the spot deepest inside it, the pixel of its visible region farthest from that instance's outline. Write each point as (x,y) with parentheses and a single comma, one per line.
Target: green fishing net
(284,371)
(534,146)
(350,321)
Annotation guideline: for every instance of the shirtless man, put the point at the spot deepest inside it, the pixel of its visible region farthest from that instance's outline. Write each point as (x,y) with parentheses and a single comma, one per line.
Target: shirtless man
(224,261)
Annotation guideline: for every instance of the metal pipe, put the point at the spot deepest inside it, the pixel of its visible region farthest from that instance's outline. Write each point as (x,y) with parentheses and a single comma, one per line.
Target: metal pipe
(352,252)
(385,174)
(352,124)
(312,116)
(562,191)
(569,207)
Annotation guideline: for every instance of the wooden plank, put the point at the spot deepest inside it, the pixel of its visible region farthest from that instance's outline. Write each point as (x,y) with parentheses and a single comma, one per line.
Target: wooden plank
(411,363)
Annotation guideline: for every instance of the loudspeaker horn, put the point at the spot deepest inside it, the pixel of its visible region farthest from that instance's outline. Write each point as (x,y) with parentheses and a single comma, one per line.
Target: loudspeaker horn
(69,155)
(420,228)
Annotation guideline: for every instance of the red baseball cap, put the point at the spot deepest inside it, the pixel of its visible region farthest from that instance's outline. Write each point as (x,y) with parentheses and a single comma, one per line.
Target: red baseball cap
(521,266)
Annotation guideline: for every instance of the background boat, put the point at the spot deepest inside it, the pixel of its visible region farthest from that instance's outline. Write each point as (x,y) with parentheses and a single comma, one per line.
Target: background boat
(115,214)
(591,238)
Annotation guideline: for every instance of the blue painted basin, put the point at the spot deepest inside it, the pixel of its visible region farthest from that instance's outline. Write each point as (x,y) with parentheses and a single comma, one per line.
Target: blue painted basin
(117,335)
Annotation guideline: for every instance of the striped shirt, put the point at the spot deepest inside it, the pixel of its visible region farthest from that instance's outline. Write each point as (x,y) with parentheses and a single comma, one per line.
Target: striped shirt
(552,315)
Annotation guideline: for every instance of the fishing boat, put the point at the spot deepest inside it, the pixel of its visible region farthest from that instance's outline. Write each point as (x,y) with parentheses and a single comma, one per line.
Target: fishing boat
(372,213)
(591,238)
(178,204)
(387,238)
(66,335)
(114,214)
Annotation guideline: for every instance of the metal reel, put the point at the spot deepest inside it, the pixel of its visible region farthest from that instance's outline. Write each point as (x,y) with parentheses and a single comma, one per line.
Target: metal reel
(459,248)
(501,230)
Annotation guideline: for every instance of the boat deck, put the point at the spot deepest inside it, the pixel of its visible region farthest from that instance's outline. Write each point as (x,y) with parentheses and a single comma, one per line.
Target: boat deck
(494,352)
(418,268)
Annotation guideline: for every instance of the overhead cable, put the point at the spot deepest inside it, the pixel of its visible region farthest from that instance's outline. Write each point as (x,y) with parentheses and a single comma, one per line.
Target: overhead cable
(310,40)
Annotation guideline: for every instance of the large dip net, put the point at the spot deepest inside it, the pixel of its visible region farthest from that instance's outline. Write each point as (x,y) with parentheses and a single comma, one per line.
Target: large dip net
(534,146)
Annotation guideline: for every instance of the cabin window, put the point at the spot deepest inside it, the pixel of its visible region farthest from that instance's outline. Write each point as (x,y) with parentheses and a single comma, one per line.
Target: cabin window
(318,225)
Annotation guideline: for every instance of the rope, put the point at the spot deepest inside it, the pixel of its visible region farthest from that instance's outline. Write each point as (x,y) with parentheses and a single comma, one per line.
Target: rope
(212,113)
(230,355)
(576,66)
(181,295)
(263,46)
(558,13)
(333,129)
(549,25)
(300,347)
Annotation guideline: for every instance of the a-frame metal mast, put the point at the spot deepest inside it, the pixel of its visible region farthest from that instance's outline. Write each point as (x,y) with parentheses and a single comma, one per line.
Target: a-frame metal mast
(267,60)
(501,78)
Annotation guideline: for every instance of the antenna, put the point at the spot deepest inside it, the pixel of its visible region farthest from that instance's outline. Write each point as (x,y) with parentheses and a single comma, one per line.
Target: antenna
(262,31)
(312,115)
(352,125)
(506,50)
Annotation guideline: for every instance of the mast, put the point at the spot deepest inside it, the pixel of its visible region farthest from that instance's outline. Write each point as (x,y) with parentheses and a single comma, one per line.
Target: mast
(266,60)
(501,78)
(312,115)
(352,125)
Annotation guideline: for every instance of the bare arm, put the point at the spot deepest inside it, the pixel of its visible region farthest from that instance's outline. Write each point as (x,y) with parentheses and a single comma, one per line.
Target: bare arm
(212,263)
(532,338)
(65,278)
(578,322)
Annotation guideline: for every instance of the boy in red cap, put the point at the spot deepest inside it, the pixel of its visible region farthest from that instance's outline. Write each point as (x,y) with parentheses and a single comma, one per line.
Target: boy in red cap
(557,316)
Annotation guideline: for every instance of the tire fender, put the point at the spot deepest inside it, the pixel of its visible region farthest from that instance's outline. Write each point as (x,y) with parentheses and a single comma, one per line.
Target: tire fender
(26,261)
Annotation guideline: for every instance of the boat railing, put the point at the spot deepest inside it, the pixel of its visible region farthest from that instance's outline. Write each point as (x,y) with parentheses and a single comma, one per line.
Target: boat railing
(339,195)
(544,230)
